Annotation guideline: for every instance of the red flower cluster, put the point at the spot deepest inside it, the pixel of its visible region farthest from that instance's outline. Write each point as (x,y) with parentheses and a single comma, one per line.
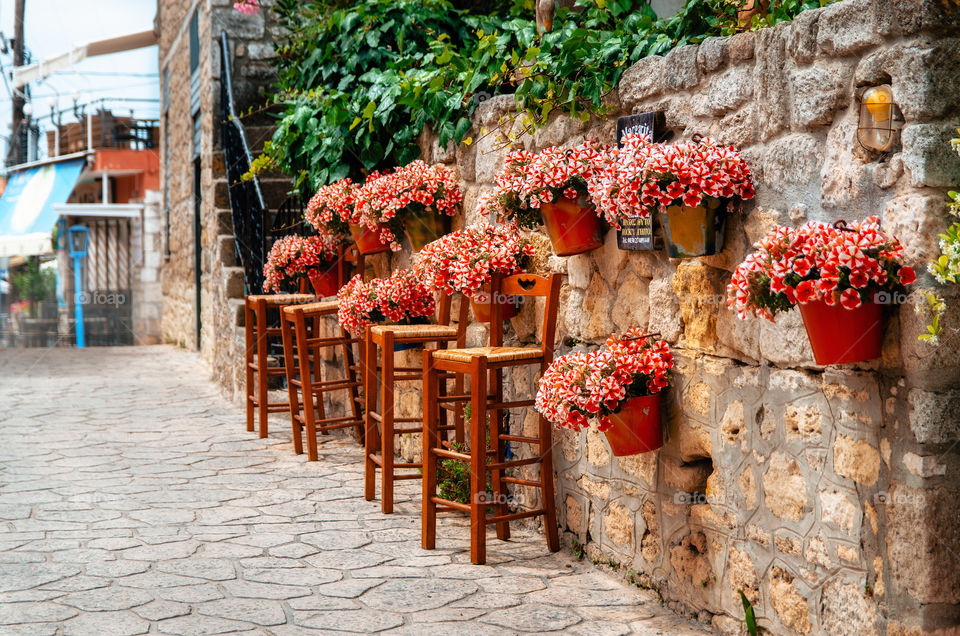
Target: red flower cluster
(332,207)
(383,300)
(641,176)
(529,180)
(464,261)
(293,257)
(843,264)
(383,199)
(581,386)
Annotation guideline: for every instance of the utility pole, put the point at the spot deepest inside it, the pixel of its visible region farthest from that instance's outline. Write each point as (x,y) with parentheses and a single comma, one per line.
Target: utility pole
(17,130)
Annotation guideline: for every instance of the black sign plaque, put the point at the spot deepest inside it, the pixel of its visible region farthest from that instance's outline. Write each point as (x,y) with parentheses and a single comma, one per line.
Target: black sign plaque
(637,233)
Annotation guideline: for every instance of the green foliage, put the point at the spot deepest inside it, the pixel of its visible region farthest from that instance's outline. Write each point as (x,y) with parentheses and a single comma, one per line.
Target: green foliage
(360,80)
(577,549)
(453,477)
(748,616)
(35,284)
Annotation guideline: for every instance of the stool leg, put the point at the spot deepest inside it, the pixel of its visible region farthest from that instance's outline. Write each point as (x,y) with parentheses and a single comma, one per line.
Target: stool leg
(290,365)
(478,462)
(248,326)
(371,440)
(428,530)
(262,377)
(546,479)
(386,423)
(310,423)
(496,428)
(350,375)
(318,375)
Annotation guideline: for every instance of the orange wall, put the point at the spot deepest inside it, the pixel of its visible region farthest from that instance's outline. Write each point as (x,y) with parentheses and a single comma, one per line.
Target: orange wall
(122,159)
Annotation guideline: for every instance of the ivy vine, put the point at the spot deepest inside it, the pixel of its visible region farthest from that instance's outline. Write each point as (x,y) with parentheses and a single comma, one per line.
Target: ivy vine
(359,81)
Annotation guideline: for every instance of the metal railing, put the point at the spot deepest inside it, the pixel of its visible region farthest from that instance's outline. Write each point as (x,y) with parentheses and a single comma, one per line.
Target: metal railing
(247,206)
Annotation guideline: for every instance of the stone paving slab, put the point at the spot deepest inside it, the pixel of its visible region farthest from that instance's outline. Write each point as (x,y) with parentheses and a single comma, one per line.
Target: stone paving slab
(133,501)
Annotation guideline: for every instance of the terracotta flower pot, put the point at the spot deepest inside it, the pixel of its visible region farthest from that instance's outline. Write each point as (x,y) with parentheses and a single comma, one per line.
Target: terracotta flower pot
(482,309)
(573,229)
(694,231)
(368,241)
(838,335)
(636,427)
(425,227)
(324,280)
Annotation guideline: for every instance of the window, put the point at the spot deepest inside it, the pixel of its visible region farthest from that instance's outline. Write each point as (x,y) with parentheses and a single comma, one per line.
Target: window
(194,43)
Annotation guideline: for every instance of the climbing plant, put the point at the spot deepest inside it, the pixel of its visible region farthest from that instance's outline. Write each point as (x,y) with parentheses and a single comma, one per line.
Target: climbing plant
(359,81)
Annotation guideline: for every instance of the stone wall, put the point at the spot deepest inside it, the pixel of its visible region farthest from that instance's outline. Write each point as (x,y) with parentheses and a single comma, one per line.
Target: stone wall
(821,493)
(147,293)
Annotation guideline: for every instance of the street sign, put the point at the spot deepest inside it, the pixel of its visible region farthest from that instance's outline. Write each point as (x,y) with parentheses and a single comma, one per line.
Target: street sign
(637,233)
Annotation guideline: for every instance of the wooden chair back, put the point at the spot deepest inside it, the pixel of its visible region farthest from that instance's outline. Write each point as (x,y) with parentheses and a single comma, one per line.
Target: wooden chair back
(531,286)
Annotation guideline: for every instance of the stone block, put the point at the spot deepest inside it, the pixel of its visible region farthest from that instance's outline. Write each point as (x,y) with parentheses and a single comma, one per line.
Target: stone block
(641,81)
(916,219)
(912,16)
(784,488)
(574,515)
(791,160)
(701,292)
(741,46)
(846,610)
(771,114)
(934,417)
(928,157)
(802,37)
(818,92)
(596,322)
(847,27)
(924,86)
(784,342)
(664,310)
(726,92)
(631,307)
(712,54)
(838,511)
(690,562)
(680,68)
(748,487)
(491,151)
(618,525)
(789,605)
(856,459)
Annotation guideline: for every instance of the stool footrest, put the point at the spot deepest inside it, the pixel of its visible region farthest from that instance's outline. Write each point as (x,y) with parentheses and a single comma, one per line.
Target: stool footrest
(514,463)
(442,452)
(453,505)
(520,438)
(516,515)
(510,405)
(521,482)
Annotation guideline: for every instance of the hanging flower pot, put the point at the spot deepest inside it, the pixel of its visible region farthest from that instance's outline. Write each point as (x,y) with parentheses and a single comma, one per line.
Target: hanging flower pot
(483,310)
(292,259)
(635,428)
(367,240)
(573,229)
(839,335)
(423,227)
(694,231)
(324,279)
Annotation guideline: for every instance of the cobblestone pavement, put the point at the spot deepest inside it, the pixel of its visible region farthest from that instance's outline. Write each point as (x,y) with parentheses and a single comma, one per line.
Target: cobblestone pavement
(132,500)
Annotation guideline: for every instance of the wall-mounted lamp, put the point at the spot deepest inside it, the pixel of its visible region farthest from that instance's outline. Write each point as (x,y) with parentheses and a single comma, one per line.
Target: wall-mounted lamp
(880,120)
(79,236)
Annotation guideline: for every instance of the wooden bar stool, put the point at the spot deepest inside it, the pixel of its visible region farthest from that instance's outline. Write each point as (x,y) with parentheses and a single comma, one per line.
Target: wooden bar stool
(306,386)
(379,443)
(257,335)
(485,367)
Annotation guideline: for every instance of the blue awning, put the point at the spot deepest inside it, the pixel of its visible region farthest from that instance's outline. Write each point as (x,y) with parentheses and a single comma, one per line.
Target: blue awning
(27,215)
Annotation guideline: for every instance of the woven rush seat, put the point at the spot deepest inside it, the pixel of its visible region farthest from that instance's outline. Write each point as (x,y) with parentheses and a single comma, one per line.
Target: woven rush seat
(492,354)
(314,309)
(282,299)
(415,331)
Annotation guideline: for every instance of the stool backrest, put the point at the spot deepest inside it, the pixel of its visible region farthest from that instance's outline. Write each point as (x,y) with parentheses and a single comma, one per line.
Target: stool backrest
(530,285)
(444,311)
(351,254)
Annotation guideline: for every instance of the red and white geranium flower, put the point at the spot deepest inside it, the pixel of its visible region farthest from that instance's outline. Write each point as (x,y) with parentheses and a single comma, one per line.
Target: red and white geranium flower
(292,258)
(839,264)
(400,297)
(332,207)
(581,386)
(466,260)
(529,180)
(417,187)
(642,176)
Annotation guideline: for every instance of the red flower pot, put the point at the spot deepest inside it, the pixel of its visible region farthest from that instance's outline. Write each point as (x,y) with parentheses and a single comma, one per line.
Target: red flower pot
(482,309)
(838,335)
(573,229)
(367,240)
(636,427)
(324,280)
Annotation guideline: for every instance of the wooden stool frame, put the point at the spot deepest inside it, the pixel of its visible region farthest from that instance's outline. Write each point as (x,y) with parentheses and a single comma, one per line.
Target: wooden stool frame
(485,367)
(379,446)
(302,344)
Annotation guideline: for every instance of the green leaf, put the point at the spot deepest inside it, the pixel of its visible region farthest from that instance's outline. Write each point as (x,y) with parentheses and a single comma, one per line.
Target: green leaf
(369,110)
(748,615)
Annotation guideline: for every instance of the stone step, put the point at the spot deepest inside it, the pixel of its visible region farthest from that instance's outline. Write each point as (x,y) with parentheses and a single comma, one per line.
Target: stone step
(227,250)
(235,306)
(257,136)
(274,191)
(233,282)
(224,221)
